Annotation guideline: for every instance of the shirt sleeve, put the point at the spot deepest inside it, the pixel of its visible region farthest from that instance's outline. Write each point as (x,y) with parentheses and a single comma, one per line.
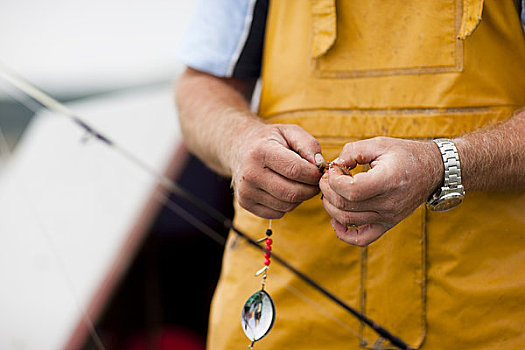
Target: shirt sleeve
(225,38)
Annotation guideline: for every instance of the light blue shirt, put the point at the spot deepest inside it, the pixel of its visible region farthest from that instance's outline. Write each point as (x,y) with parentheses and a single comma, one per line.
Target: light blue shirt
(216,35)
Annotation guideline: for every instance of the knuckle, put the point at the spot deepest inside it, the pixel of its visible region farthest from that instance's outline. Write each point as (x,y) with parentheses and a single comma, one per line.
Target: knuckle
(347,147)
(391,207)
(347,219)
(380,139)
(397,180)
(314,144)
(293,171)
(293,127)
(350,202)
(249,175)
(339,202)
(244,203)
(291,197)
(352,196)
(324,186)
(257,153)
(242,191)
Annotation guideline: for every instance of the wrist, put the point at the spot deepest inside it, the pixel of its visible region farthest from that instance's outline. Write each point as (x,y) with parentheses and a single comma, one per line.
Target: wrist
(451,191)
(243,130)
(435,168)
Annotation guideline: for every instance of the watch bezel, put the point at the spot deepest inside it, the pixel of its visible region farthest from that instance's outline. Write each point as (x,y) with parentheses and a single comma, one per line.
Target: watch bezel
(446,202)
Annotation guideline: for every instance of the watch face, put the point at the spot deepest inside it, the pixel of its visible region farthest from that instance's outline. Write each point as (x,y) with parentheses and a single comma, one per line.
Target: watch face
(448,201)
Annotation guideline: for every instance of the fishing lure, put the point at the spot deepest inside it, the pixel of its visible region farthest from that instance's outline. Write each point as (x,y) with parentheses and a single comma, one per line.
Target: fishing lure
(258,313)
(323,167)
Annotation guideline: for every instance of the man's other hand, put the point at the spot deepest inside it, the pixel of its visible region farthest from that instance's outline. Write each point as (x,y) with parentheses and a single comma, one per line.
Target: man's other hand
(402,176)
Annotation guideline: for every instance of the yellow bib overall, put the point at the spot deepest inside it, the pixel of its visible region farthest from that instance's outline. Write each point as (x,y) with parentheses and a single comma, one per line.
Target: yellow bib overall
(353,69)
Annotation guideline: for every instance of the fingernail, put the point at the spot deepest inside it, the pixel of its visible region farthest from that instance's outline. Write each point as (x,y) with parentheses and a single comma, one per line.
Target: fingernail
(319,159)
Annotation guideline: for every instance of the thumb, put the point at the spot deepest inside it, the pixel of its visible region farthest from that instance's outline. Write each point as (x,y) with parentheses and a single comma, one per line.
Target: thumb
(303,143)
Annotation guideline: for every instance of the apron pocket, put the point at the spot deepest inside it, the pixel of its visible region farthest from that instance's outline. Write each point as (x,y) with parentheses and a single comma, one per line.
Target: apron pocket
(421,38)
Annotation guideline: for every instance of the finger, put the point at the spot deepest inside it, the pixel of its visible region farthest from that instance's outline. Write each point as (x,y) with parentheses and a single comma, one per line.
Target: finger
(360,236)
(290,165)
(360,152)
(302,142)
(361,186)
(384,205)
(285,189)
(265,212)
(350,218)
(334,198)
(252,196)
(344,204)
(247,199)
(367,184)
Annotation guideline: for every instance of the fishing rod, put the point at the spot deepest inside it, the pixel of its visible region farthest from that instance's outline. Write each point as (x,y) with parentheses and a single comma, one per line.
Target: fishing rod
(53,105)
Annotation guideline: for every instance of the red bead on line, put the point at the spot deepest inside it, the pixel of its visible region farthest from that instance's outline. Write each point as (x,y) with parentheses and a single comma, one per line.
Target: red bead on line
(268,249)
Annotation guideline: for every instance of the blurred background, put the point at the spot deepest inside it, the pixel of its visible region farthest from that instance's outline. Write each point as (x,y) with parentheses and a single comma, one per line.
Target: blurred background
(83,236)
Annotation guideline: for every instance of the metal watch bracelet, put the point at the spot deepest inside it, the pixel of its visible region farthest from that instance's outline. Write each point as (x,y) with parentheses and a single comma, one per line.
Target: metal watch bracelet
(452,192)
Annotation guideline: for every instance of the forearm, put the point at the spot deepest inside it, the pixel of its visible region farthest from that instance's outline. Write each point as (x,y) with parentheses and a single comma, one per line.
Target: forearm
(213,113)
(493,159)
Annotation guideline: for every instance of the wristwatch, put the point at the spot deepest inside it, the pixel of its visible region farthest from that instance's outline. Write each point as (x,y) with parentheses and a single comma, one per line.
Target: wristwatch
(452,192)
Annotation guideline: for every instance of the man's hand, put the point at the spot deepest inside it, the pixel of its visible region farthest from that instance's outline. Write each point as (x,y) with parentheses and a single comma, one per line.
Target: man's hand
(403,175)
(274,169)
(272,166)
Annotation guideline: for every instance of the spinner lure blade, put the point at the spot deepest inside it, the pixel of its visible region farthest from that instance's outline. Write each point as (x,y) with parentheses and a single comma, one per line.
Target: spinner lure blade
(258,313)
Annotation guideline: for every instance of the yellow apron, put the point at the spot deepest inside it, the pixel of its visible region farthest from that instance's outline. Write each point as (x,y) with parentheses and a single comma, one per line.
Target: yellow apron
(353,69)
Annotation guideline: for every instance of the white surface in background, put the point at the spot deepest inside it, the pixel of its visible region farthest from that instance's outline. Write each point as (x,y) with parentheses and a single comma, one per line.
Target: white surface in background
(86,198)
(70,47)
